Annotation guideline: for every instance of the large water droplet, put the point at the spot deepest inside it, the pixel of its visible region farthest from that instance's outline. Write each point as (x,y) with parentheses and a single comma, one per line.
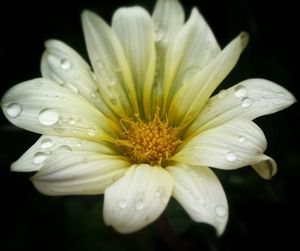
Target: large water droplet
(122,203)
(231,156)
(65,64)
(139,205)
(48,117)
(242,139)
(46,143)
(14,110)
(39,158)
(240,91)
(221,211)
(91,131)
(246,102)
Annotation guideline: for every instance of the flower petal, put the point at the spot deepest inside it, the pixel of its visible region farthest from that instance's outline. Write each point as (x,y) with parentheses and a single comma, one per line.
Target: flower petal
(44,107)
(138,198)
(79,173)
(200,193)
(192,96)
(249,99)
(109,63)
(232,145)
(168,18)
(134,28)
(193,48)
(63,65)
(46,146)
(266,168)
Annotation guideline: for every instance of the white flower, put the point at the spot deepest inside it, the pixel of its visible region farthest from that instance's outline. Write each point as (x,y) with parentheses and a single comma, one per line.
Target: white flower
(141,126)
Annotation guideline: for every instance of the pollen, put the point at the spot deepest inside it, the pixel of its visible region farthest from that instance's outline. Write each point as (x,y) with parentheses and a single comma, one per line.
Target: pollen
(151,142)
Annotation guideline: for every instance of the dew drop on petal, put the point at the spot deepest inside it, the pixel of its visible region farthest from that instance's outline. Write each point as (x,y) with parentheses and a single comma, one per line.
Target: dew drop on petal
(39,158)
(94,94)
(246,102)
(113,101)
(91,131)
(64,148)
(240,91)
(48,117)
(14,110)
(65,64)
(139,205)
(221,211)
(242,139)
(46,143)
(72,121)
(79,144)
(122,203)
(231,156)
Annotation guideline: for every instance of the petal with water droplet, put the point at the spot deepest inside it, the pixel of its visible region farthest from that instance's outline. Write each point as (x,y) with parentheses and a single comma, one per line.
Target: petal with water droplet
(67,173)
(206,200)
(52,144)
(138,188)
(249,99)
(47,109)
(219,147)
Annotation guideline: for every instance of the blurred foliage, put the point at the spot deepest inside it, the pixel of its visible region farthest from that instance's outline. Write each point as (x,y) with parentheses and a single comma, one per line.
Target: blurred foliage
(262,213)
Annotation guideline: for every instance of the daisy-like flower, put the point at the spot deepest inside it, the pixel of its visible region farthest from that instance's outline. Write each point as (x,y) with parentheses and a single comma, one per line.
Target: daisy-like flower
(140,126)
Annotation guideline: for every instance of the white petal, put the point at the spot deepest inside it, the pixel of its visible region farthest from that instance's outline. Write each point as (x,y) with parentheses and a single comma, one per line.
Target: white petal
(109,63)
(200,193)
(248,99)
(138,198)
(168,17)
(232,145)
(135,31)
(192,96)
(44,107)
(46,146)
(266,168)
(62,64)
(79,173)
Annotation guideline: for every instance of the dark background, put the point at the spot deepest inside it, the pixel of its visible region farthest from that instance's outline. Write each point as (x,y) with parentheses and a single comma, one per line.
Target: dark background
(263,214)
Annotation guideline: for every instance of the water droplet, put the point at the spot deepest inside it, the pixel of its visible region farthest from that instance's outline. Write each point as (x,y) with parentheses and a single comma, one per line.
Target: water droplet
(222,94)
(65,148)
(139,205)
(91,131)
(246,102)
(240,91)
(14,110)
(72,121)
(48,117)
(221,211)
(113,101)
(94,94)
(231,156)
(159,33)
(46,143)
(79,144)
(122,203)
(39,158)
(73,88)
(242,139)
(65,64)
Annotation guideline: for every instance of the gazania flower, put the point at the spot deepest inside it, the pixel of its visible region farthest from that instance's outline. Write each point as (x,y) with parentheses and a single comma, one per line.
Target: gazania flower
(140,126)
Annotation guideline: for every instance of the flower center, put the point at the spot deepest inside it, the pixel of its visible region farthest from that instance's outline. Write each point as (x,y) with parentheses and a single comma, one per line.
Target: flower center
(152,143)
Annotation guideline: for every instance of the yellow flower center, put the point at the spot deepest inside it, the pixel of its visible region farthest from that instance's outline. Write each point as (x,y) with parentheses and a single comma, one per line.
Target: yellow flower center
(152,143)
